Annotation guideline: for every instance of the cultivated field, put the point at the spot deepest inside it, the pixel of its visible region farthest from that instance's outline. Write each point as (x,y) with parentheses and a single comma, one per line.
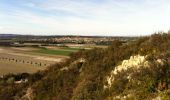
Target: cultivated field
(12,67)
(27,59)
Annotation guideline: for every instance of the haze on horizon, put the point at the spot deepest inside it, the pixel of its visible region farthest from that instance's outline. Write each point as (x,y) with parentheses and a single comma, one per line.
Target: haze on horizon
(84,17)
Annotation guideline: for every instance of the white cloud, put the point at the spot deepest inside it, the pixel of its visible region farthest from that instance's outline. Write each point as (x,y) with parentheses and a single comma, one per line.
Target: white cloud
(111,17)
(1,27)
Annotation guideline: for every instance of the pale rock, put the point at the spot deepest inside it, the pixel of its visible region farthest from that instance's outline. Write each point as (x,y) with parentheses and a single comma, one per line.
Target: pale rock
(134,62)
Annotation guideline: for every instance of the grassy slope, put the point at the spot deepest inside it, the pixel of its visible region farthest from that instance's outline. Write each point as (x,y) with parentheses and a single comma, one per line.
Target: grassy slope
(90,76)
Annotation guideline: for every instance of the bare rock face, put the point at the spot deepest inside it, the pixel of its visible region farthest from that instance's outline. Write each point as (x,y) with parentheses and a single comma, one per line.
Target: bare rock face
(134,62)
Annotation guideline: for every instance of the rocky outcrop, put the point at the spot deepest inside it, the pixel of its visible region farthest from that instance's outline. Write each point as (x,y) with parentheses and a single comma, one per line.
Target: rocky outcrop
(134,62)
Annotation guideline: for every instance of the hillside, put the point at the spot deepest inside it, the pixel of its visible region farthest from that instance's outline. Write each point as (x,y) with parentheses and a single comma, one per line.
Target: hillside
(138,70)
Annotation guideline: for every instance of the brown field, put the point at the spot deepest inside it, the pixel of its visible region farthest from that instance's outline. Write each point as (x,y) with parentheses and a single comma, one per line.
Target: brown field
(12,67)
(20,60)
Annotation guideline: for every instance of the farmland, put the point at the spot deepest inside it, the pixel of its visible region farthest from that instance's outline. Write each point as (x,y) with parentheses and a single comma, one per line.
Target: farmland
(12,67)
(58,51)
(28,59)
(25,54)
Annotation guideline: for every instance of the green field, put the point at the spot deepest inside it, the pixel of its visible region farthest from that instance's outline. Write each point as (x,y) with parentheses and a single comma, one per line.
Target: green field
(63,51)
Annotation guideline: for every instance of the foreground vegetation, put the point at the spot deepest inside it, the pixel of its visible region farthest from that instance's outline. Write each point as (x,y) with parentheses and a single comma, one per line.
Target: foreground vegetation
(83,76)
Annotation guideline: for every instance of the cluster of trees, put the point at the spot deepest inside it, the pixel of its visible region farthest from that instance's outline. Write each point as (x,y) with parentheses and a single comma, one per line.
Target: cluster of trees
(85,80)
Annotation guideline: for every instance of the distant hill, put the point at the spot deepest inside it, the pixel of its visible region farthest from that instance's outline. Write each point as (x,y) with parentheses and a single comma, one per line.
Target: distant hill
(137,70)
(8,35)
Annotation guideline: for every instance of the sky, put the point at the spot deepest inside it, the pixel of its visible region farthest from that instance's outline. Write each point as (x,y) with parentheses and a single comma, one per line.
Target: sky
(84,17)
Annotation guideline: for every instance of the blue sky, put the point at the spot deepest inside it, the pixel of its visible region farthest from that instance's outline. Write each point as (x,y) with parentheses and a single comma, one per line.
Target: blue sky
(84,17)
